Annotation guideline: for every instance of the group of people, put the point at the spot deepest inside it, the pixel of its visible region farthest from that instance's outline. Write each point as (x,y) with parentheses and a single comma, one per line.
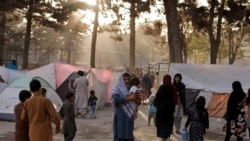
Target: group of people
(35,112)
(167,107)
(34,115)
(171,107)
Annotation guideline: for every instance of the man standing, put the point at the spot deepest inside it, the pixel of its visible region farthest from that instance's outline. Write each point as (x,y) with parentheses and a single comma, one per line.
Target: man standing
(35,111)
(81,94)
(181,107)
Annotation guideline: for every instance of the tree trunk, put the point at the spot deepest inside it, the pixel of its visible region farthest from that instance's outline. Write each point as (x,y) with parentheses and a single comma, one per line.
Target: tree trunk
(174,35)
(94,36)
(27,35)
(234,47)
(132,38)
(2,31)
(215,41)
(231,56)
(184,49)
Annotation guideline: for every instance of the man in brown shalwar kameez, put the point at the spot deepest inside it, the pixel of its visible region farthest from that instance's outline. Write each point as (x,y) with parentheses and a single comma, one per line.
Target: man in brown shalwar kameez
(22,127)
(35,111)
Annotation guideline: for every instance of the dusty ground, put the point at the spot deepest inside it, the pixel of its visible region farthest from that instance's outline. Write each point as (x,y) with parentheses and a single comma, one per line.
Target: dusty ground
(100,129)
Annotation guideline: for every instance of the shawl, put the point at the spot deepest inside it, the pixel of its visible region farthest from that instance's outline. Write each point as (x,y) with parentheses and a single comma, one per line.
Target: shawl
(121,90)
(167,82)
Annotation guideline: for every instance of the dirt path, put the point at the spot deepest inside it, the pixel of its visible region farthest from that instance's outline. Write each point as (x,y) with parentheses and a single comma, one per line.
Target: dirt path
(100,129)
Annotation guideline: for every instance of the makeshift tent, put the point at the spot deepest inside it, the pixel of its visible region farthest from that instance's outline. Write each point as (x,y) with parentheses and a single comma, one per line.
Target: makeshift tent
(10,96)
(99,81)
(214,82)
(9,75)
(67,85)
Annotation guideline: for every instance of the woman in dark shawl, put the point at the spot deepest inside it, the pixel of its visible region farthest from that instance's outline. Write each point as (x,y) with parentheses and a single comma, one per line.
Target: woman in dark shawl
(234,110)
(165,100)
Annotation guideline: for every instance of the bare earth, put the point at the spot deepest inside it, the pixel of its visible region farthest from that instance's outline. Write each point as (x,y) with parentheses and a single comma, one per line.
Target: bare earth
(100,129)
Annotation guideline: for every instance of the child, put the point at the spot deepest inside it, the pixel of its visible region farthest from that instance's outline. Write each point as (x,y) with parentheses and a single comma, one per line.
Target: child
(22,128)
(198,117)
(152,109)
(92,103)
(134,84)
(44,92)
(67,112)
(135,81)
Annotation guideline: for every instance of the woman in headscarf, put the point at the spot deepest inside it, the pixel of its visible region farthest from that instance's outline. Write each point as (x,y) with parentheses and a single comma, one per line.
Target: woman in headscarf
(124,109)
(165,101)
(235,113)
(198,120)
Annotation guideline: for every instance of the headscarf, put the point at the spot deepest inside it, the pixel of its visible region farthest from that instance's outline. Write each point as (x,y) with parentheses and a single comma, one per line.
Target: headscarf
(178,75)
(167,82)
(235,98)
(179,84)
(121,89)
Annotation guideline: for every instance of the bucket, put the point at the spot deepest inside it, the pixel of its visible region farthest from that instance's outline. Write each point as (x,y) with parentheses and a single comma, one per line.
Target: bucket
(184,134)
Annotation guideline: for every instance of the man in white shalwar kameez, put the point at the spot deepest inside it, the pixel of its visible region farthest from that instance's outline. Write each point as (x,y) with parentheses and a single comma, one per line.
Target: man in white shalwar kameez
(81,94)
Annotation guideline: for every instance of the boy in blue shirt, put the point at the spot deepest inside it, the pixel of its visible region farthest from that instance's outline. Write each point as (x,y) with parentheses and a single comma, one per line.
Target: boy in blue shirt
(152,109)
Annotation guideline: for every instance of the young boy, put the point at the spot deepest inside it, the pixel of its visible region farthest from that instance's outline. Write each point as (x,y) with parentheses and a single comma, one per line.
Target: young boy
(22,128)
(44,92)
(92,103)
(67,112)
(152,109)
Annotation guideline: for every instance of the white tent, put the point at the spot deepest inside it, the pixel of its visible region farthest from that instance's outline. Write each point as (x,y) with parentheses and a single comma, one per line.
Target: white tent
(214,78)
(10,96)
(213,81)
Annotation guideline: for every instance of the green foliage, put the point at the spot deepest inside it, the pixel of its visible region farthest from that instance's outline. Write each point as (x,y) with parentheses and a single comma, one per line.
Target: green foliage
(198,47)
(154,30)
(6,5)
(46,14)
(116,6)
(197,15)
(235,12)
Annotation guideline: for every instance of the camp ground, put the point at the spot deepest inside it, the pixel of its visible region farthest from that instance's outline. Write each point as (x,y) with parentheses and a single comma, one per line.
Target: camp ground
(212,81)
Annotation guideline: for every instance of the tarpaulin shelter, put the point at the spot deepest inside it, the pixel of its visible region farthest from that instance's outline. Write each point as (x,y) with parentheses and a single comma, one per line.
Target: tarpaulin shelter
(67,85)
